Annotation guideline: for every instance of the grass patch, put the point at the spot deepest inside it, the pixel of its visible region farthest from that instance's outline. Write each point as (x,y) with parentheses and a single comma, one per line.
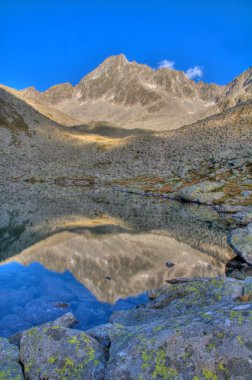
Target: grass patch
(15,127)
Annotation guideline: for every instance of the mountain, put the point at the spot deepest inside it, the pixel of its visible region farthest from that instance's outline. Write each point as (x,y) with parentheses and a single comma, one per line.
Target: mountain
(54,153)
(132,95)
(34,98)
(45,165)
(238,91)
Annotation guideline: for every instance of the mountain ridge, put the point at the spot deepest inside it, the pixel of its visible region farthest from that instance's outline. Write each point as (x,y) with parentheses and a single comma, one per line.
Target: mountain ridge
(132,95)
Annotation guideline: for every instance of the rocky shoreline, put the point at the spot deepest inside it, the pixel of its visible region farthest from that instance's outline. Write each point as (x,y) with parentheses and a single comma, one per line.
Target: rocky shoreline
(239,216)
(191,329)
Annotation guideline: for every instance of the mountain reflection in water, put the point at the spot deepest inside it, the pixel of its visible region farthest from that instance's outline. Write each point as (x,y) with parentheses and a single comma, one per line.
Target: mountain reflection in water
(114,244)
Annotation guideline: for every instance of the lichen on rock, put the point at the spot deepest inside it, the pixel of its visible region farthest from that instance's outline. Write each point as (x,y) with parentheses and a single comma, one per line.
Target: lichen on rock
(10,368)
(61,353)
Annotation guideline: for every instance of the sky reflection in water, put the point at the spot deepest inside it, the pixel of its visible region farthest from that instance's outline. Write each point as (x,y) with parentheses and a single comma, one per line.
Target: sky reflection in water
(29,297)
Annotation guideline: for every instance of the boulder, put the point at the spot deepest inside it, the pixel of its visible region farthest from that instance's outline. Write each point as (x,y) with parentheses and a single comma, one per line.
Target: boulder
(190,329)
(10,368)
(205,192)
(240,240)
(244,217)
(55,352)
(67,320)
(196,330)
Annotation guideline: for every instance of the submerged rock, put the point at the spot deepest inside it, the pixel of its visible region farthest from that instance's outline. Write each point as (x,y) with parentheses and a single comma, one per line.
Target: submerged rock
(241,241)
(10,368)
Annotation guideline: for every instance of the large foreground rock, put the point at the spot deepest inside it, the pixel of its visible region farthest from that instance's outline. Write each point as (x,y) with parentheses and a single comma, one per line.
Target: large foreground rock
(67,320)
(55,352)
(10,368)
(195,329)
(241,241)
(191,331)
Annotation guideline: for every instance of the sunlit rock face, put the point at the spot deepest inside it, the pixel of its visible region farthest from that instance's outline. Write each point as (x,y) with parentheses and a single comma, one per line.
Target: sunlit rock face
(132,95)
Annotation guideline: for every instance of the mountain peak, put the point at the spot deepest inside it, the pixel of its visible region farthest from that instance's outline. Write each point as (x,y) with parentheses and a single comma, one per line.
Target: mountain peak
(112,62)
(120,58)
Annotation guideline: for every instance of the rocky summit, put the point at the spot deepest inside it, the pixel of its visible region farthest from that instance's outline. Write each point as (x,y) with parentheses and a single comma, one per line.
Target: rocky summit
(192,329)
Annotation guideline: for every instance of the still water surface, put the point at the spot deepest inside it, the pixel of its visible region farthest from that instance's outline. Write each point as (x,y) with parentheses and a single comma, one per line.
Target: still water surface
(94,252)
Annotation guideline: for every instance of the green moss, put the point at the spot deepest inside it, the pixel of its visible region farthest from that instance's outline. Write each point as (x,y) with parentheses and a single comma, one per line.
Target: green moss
(222,367)
(90,352)
(6,375)
(32,332)
(211,346)
(238,316)
(145,356)
(52,360)
(73,340)
(157,328)
(69,362)
(206,316)
(209,375)
(240,339)
(15,125)
(70,368)
(220,334)
(161,370)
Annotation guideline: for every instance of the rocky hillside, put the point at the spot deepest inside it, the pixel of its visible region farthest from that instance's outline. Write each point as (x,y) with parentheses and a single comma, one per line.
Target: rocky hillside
(132,95)
(40,106)
(205,162)
(201,149)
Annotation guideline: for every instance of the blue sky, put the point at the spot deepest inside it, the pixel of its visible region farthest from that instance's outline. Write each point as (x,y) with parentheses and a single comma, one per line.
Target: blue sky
(53,41)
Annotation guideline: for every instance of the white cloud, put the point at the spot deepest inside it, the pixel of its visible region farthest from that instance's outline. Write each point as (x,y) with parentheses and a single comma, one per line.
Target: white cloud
(166,64)
(195,72)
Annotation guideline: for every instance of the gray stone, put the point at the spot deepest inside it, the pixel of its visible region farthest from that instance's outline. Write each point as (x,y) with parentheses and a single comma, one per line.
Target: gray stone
(10,368)
(184,332)
(67,320)
(216,346)
(54,352)
(183,301)
(226,208)
(248,287)
(241,241)
(103,333)
(187,337)
(204,192)
(245,217)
